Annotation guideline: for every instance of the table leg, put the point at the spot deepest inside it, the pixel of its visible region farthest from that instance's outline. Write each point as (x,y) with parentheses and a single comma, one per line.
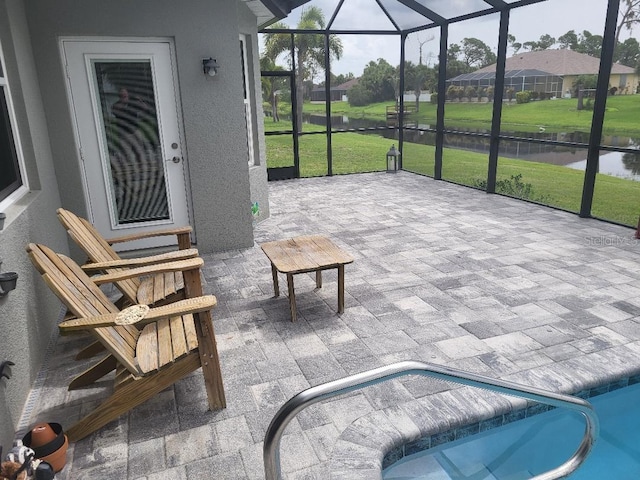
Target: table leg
(319,278)
(292,296)
(340,288)
(276,286)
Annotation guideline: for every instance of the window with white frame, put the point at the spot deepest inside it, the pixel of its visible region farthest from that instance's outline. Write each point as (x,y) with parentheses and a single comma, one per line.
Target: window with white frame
(247,96)
(12,178)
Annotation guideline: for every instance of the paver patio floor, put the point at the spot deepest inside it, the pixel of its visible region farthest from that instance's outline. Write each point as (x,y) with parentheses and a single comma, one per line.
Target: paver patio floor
(442,274)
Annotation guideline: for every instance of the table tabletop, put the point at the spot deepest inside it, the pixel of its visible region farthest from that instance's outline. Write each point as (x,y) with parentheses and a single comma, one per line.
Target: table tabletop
(305,254)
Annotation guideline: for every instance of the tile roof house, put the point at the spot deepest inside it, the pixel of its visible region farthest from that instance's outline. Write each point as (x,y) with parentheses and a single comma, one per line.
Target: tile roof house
(568,64)
(339,93)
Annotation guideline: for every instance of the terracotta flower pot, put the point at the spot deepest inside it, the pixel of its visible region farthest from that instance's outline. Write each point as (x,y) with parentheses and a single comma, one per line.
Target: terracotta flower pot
(49,443)
(42,434)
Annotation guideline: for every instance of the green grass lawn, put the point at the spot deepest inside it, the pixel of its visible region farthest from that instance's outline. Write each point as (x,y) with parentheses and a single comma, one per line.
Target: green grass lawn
(555,115)
(352,153)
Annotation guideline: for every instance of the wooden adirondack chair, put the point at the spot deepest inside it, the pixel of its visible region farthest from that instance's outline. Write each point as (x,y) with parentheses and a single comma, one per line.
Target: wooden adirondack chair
(176,338)
(156,289)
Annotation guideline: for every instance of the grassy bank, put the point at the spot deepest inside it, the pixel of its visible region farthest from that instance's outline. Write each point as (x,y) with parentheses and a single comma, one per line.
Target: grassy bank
(554,115)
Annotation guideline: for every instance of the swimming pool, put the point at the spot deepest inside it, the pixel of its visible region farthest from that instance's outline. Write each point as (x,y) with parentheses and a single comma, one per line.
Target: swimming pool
(537,444)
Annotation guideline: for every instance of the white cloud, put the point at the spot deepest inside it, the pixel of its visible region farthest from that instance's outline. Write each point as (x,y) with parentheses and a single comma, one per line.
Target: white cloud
(359,50)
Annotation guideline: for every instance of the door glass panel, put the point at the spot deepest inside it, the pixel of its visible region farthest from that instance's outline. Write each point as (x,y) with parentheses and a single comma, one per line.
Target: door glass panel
(132,152)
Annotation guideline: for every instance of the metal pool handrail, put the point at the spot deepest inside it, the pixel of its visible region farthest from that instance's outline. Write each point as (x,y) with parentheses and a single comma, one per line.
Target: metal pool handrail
(271,449)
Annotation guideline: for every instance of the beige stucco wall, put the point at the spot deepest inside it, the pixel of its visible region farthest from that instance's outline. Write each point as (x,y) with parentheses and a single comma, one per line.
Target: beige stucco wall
(630,84)
(567,84)
(212,108)
(28,314)
(614,81)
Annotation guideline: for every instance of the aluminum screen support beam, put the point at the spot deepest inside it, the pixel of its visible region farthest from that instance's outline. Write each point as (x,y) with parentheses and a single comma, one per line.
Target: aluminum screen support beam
(297,122)
(401,87)
(442,96)
(599,106)
(498,92)
(327,101)
(499,4)
(424,11)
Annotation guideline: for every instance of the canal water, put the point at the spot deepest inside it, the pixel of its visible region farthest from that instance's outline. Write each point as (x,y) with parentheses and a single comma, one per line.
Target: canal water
(624,165)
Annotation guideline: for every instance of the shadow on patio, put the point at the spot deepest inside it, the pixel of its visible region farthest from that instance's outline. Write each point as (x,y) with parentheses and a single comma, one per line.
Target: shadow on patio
(442,274)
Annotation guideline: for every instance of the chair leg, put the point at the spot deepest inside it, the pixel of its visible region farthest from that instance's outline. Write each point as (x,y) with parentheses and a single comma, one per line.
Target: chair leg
(131,395)
(99,370)
(210,361)
(207,347)
(90,350)
(276,285)
(340,288)
(292,297)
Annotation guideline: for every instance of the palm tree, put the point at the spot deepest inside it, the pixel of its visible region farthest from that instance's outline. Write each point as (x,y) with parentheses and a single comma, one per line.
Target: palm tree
(309,49)
(415,76)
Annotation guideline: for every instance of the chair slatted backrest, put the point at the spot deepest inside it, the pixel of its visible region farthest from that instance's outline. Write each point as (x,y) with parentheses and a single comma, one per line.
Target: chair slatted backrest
(84,299)
(85,235)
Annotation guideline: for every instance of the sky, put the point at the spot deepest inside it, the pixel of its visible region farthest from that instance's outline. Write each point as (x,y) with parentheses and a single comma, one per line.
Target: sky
(553,17)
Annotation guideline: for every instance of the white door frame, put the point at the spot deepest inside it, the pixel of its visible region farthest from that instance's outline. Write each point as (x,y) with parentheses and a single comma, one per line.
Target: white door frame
(248,97)
(184,203)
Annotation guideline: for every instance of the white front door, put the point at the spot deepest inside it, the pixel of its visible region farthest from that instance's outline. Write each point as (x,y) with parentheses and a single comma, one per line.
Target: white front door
(124,100)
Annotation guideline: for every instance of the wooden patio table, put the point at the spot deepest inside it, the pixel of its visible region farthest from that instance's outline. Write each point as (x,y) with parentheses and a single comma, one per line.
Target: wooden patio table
(310,253)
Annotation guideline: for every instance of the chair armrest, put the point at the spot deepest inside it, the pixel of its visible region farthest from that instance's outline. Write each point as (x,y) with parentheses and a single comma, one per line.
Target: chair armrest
(180,231)
(179,266)
(181,307)
(138,262)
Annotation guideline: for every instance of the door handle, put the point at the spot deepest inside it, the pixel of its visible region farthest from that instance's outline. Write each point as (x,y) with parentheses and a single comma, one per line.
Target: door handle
(175,159)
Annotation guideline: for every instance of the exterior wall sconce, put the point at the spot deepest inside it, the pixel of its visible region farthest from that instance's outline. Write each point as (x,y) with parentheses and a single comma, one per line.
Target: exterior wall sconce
(5,369)
(392,160)
(210,66)
(8,282)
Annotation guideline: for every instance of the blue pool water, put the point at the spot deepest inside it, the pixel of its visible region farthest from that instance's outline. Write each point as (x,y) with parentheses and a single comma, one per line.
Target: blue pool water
(534,445)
